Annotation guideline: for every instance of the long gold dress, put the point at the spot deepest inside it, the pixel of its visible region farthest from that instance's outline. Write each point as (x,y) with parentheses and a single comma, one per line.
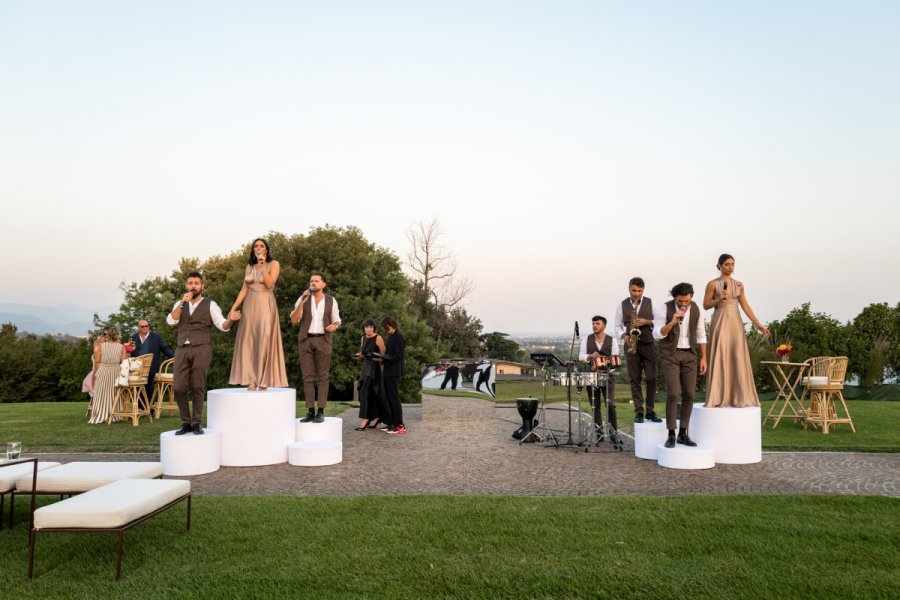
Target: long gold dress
(258,355)
(105,386)
(729,381)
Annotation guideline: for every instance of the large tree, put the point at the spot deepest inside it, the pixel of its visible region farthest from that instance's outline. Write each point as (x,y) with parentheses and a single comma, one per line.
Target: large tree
(874,339)
(366,280)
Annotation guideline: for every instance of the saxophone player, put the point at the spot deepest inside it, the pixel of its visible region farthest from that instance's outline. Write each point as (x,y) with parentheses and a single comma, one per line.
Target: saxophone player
(634,326)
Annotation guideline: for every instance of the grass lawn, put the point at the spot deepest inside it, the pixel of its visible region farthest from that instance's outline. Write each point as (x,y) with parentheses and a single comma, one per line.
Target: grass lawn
(479,547)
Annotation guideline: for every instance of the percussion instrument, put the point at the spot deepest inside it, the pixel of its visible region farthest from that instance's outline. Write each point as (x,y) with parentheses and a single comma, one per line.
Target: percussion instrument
(598,362)
(527,408)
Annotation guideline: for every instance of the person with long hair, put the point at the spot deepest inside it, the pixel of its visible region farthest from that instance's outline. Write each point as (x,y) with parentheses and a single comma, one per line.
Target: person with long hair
(730,379)
(258,360)
(108,357)
(370,395)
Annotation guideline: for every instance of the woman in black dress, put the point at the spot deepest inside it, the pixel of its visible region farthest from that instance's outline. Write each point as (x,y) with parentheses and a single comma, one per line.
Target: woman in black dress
(370,376)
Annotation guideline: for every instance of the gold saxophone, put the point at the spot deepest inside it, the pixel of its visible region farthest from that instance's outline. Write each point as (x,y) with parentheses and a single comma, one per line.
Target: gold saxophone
(634,332)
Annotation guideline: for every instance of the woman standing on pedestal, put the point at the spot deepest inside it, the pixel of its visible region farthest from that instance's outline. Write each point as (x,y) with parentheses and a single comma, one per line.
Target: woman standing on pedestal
(729,382)
(258,360)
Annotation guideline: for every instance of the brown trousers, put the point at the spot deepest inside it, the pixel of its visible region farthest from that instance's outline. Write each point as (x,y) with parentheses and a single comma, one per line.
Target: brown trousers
(680,370)
(315,363)
(643,361)
(191,369)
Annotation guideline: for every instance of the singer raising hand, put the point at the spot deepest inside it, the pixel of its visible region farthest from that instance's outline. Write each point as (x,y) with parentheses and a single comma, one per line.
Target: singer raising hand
(730,380)
(258,360)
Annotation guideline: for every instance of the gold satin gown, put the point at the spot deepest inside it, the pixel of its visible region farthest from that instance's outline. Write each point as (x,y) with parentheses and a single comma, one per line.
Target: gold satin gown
(729,380)
(258,354)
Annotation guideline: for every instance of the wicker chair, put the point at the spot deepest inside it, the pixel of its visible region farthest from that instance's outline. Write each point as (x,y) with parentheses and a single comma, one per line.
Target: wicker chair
(823,409)
(811,400)
(163,393)
(131,400)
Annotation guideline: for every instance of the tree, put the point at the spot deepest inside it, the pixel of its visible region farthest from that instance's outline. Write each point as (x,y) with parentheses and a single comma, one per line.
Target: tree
(366,280)
(874,336)
(439,289)
(498,345)
(811,334)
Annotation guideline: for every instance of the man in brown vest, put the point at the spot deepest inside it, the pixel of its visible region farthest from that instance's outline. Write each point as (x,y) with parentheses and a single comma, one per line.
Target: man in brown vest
(593,346)
(644,360)
(678,324)
(194,315)
(318,320)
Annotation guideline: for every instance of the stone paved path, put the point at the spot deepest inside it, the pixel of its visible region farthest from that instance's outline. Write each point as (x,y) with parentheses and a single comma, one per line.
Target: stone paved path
(464,446)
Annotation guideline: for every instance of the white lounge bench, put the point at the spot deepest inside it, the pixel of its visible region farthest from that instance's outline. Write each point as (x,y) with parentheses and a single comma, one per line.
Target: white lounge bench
(79,477)
(9,474)
(111,508)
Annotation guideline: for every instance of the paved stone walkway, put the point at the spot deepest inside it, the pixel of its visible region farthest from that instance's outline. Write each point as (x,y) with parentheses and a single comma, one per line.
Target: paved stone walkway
(464,446)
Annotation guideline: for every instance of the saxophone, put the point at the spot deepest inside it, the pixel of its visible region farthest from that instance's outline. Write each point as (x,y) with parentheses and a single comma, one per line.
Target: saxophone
(634,331)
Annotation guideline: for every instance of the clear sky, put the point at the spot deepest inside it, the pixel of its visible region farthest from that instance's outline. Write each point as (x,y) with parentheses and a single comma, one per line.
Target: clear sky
(565,146)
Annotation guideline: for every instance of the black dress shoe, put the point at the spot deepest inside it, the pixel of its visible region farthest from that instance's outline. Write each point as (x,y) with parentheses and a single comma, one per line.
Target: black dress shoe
(197,429)
(684,439)
(310,416)
(319,418)
(670,443)
(651,416)
(638,417)
(185,428)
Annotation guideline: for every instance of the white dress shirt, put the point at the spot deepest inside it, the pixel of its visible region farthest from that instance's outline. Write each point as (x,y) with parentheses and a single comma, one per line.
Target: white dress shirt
(214,312)
(583,353)
(317,314)
(684,341)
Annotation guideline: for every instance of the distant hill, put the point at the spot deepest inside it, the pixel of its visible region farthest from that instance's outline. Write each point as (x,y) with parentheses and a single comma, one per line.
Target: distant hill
(66,319)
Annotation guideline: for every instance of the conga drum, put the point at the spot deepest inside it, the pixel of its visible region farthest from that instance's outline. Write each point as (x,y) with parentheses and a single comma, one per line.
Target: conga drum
(527,408)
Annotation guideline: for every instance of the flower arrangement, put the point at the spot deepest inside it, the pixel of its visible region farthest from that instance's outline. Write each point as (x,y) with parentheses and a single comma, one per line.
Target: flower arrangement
(129,346)
(784,350)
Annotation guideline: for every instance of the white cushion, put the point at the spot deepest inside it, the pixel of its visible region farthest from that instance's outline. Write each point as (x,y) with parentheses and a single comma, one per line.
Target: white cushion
(817,380)
(9,475)
(83,476)
(112,505)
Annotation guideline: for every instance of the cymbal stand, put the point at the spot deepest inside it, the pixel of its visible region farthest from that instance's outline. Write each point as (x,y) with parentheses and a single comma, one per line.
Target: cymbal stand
(569,441)
(607,425)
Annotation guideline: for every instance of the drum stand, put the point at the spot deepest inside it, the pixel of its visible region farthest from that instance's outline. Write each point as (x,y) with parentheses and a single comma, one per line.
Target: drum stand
(596,434)
(542,418)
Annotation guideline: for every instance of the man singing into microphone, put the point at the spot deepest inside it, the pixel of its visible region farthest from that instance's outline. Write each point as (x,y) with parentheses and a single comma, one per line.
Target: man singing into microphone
(678,324)
(318,320)
(194,315)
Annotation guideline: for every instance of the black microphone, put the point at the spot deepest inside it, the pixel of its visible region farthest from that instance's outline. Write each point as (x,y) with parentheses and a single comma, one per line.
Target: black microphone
(725,285)
(577,333)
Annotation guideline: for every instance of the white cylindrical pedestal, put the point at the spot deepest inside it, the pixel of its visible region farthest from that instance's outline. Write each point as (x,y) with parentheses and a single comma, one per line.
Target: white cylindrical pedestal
(190,454)
(256,426)
(315,453)
(329,431)
(685,457)
(734,433)
(647,436)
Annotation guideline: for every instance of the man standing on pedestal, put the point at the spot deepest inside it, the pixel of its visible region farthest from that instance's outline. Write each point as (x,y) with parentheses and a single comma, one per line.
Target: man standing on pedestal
(195,316)
(637,311)
(318,320)
(678,324)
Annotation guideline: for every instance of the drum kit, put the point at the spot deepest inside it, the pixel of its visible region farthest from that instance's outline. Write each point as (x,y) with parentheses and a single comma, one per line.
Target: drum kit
(588,434)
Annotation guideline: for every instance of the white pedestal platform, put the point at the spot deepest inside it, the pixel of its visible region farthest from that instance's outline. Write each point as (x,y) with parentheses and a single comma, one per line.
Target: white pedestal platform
(189,454)
(647,436)
(315,453)
(331,430)
(685,457)
(318,444)
(735,434)
(256,427)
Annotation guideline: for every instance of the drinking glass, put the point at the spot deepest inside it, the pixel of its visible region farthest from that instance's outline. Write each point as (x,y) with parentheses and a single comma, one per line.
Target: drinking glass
(13,450)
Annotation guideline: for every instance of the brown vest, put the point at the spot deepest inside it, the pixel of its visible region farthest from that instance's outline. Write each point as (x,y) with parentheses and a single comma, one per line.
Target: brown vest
(195,327)
(605,349)
(670,342)
(645,311)
(306,319)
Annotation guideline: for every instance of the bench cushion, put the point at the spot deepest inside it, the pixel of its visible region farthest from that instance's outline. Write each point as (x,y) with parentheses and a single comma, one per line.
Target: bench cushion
(112,505)
(83,476)
(9,475)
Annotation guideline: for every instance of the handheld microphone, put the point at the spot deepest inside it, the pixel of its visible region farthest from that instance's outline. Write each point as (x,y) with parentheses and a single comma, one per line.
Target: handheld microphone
(577,333)
(725,285)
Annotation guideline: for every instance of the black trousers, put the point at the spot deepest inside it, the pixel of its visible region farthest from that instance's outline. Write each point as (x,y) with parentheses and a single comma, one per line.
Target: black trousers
(392,392)
(644,361)
(191,368)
